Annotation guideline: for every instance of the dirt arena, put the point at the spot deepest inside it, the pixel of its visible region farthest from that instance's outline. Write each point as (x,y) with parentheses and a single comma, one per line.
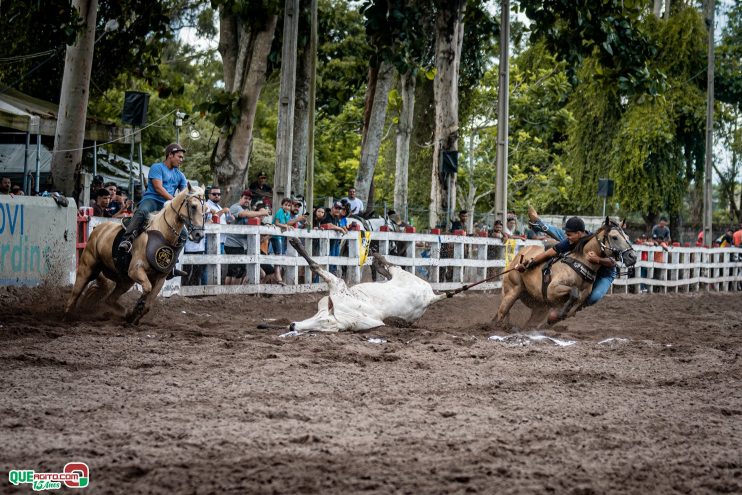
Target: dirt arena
(197,400)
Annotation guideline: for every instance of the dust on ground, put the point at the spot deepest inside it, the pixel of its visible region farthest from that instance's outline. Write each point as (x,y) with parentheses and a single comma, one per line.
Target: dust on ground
(197,400)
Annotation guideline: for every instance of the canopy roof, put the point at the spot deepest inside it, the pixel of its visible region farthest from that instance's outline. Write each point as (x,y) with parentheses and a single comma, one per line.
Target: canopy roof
(28,114)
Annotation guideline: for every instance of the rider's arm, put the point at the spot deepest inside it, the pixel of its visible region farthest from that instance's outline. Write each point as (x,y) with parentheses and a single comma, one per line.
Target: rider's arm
(594,258)
(157,186)
(541,257)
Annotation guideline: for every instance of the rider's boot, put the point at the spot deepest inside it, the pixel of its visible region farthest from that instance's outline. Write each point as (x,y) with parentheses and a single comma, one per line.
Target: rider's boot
(536,224)
(131,233)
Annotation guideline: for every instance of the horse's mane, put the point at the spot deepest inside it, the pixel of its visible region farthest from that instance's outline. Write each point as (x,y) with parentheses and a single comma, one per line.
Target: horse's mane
(580,246)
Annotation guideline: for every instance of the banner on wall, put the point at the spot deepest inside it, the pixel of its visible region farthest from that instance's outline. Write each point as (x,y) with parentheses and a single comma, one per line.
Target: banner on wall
(37,241)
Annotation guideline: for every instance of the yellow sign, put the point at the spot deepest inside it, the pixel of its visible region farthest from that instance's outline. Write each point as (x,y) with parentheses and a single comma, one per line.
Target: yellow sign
(364,239)
(510,246)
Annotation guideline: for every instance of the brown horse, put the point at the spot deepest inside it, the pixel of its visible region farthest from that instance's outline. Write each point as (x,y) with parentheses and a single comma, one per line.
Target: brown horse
(97,261)
(567,289)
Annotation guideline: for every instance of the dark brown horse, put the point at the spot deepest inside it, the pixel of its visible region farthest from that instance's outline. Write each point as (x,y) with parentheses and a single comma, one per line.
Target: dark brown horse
(97,261)
(568,289)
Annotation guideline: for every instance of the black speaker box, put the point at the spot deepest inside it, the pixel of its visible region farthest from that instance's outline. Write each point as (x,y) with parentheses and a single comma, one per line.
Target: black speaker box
(605,188)
(449,162)
(135,108)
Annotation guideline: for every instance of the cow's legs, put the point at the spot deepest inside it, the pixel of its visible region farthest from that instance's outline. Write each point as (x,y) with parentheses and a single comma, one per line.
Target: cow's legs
(381,265)
(333,281)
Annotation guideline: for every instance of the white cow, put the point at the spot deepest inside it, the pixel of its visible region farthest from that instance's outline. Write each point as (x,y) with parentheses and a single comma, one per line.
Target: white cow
(367,305)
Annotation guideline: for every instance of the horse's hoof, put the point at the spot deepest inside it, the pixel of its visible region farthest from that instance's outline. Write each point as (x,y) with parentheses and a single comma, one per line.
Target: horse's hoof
(553,316)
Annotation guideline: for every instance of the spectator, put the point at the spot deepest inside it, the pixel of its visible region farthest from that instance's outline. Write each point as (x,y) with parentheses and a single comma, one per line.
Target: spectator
(356,205)
(17,191)
(319,216)
(94,186)
(298,219)
(220,214)
(727,239)
(102,200)
(334,220)
(461,223)
(737,236)
(260,188)
(661,232)
(511,227)
(195,274)
(282,220)
(114,206)
(5,186)
(235,243)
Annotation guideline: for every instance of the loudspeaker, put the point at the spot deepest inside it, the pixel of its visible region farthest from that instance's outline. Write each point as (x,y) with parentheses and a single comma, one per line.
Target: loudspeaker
(449,162)
(135,108)
(605,188)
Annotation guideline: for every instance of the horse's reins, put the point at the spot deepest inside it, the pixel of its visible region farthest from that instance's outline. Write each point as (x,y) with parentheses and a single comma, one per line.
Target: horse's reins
(451,293)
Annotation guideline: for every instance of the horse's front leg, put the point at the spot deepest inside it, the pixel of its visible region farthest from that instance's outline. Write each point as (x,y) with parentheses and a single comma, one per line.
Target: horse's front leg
(144,303)
(138,274)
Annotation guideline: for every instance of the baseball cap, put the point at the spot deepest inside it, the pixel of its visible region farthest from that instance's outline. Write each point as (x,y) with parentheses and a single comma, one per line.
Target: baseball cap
(498,222)
(247,193)
(173,148)
(98,178)
(574,224)
(337,204)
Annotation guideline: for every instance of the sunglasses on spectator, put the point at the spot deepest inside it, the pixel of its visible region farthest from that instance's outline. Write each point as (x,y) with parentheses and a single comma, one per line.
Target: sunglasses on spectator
(216,194)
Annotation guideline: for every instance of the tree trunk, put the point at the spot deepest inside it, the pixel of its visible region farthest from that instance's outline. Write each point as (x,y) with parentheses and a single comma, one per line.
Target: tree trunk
(73,102)
(244,53)
(375,115)
(301,108)
(404,131)
(657,7)
(449,35)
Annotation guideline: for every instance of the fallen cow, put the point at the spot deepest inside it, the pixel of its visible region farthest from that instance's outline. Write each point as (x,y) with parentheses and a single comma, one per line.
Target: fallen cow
(363,306)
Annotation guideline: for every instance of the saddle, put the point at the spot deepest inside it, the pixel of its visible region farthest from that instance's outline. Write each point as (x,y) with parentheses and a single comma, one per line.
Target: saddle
(160,254)
(582,270)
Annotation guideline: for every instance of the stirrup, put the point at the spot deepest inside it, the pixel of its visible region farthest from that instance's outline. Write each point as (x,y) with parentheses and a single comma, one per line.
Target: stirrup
(125,246)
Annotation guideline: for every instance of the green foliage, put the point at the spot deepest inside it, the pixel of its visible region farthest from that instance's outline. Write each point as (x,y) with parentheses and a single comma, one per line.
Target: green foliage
(728,55)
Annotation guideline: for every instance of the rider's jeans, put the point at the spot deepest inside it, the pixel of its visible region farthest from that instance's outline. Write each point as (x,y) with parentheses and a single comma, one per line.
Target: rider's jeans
(600,287)
(550,230)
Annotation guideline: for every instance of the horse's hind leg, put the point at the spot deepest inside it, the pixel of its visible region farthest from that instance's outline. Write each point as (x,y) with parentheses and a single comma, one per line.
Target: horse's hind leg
(113,298)
(538,316)
(574,296)
(87,270)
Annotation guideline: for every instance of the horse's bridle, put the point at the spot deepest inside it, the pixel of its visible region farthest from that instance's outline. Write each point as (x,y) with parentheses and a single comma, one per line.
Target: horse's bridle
(188,221)
(608,248)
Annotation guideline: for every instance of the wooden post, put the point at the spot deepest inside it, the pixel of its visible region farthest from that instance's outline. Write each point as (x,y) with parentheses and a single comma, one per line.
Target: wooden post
(708,238)
(286,101)
(501,180)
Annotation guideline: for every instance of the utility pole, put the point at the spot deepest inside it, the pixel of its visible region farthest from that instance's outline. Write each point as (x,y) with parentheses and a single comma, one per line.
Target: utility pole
(708,167)
(285,133)
(312,96)
(501,181)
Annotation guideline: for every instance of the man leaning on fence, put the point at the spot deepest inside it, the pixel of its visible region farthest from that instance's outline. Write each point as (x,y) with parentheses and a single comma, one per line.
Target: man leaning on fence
(236,244)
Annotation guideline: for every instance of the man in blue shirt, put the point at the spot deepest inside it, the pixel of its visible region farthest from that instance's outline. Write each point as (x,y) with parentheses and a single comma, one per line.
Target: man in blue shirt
(165,180)
(574,230)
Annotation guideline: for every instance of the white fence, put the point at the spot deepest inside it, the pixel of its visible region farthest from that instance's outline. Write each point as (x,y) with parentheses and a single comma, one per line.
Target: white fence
(464,260)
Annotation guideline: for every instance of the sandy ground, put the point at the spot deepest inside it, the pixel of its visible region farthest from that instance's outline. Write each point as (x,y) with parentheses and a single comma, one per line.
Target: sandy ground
(197,400)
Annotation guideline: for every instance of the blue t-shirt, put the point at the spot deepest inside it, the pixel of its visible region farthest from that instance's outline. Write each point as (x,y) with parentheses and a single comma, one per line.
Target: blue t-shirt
(172,180)
(282,216)
(563,247)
